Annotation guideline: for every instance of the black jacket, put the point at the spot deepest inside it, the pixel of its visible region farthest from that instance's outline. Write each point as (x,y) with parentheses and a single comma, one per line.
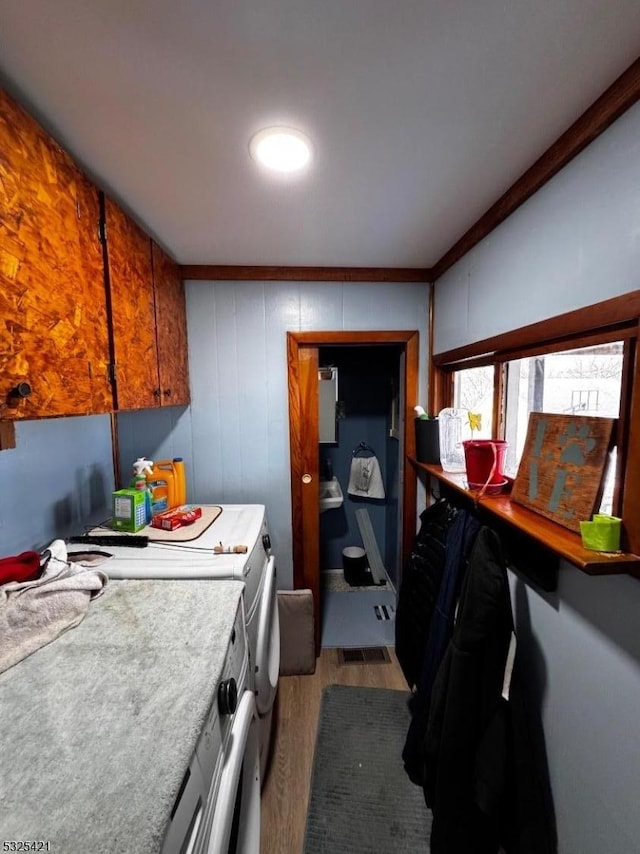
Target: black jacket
(460,538)
(419,588)
(483,783)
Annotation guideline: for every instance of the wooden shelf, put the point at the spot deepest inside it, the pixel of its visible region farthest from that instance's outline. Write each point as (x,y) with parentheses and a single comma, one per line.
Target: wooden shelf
(552,536)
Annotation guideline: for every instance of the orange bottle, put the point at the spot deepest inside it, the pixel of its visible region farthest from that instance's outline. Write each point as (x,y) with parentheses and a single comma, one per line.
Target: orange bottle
(161,482)
(180,481)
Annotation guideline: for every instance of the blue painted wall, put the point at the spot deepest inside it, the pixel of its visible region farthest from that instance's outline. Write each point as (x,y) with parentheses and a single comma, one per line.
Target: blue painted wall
(157,435)
(577,241)
(239,414)
(58,478)
(235,435)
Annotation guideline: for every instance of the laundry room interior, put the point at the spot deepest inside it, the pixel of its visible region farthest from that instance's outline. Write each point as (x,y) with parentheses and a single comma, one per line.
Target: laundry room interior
(252,255)
(359,413)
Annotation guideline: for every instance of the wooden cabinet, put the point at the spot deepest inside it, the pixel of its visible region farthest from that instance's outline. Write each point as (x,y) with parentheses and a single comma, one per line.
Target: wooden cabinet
(148,317)
(132,310)
(92,312)
(54,346)
(171,328)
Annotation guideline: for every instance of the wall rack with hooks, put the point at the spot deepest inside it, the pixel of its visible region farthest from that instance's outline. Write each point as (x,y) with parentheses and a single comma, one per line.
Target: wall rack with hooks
(362,447)
(545,533)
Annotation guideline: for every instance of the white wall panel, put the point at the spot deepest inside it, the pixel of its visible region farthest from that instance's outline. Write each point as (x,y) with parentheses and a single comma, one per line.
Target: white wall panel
(240,404)
(228,381)
(57,480)
(157,434)
(283,307)
(583,645)
(575,242)
(452,305)
(321,306)
(370,305)
(252,397)
(201,321)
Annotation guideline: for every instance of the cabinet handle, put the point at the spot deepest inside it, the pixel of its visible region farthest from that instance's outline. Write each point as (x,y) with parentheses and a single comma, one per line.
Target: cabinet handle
(167,392)
(16,395)
(156,392)
(22,390)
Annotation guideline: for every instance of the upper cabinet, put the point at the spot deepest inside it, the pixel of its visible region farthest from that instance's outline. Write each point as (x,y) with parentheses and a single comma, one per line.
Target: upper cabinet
(54,344)
(130,280)
(171,327)
(92,312)
(148,317)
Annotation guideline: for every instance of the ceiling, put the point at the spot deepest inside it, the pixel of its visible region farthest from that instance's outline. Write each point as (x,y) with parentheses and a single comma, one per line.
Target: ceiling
(421,112)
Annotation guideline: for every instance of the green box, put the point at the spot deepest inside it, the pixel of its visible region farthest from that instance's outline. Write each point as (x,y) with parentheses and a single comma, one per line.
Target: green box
(602,534)
(128,510)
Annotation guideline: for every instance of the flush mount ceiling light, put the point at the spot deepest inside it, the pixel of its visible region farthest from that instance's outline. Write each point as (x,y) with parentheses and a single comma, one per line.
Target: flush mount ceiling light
(281,149)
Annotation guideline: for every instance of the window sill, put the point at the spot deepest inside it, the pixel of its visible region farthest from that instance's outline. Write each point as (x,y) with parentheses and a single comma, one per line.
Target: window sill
(563,542)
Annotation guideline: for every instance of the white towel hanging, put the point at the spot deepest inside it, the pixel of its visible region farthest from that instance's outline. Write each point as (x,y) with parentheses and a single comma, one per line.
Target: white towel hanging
(365,478)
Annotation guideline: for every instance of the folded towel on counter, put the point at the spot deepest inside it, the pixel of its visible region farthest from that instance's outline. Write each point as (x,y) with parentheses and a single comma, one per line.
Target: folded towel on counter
(34,613)
(365,478)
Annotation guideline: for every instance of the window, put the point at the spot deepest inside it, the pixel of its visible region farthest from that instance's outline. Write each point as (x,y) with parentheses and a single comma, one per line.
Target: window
(583,381)
(569,364)
(473,390)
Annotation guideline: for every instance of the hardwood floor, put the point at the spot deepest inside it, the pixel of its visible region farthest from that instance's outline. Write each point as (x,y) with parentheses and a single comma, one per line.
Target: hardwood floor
(286,789)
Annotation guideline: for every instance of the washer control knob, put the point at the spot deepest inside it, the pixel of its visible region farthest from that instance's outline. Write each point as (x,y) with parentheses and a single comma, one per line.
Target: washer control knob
(227,696)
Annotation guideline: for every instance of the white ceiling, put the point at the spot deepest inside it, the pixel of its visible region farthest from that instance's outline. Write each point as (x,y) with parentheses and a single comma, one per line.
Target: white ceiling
(422,112)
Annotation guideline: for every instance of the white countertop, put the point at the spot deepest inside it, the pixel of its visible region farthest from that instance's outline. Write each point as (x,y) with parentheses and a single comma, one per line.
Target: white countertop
(174,557)
(99,726)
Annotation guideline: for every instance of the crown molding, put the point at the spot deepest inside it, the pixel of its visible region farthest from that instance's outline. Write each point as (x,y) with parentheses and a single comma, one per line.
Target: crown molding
(217,272)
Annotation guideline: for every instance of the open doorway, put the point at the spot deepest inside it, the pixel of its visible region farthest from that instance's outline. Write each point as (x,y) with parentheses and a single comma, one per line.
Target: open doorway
(359,459)
(304,351)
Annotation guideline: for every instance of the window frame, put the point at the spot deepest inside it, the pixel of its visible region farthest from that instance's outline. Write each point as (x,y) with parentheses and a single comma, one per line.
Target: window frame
(616,319)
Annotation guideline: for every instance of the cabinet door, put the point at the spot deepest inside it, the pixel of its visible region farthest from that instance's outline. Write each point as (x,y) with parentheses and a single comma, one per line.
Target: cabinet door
(132,311)
(53,328)
(171,325)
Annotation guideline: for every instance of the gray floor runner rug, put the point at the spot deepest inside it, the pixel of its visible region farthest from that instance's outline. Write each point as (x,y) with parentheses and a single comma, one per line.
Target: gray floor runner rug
(361,799)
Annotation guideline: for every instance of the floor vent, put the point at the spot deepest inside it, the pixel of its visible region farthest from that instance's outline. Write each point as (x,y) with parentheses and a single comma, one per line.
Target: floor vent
(384,612)
(364,655)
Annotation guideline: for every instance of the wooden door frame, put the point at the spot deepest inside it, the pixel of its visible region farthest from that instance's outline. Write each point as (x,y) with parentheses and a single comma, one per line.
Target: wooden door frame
(302,362)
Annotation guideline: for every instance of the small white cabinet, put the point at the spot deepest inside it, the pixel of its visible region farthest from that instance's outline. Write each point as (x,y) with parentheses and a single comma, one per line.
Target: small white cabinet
(327,398)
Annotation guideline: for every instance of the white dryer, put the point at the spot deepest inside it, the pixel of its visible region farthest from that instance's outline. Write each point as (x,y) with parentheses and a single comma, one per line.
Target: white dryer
(195,558)
(217,809)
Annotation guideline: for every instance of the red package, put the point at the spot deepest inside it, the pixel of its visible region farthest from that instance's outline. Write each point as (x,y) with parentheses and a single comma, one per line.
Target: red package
(176,518)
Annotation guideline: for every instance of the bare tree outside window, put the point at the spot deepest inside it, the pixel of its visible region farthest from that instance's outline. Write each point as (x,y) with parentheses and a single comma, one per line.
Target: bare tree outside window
(585,381)
(473,391)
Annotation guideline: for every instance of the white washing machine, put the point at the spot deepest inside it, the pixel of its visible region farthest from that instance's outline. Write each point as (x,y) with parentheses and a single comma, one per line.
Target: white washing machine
(217,810)
(194,558)
(141,727)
